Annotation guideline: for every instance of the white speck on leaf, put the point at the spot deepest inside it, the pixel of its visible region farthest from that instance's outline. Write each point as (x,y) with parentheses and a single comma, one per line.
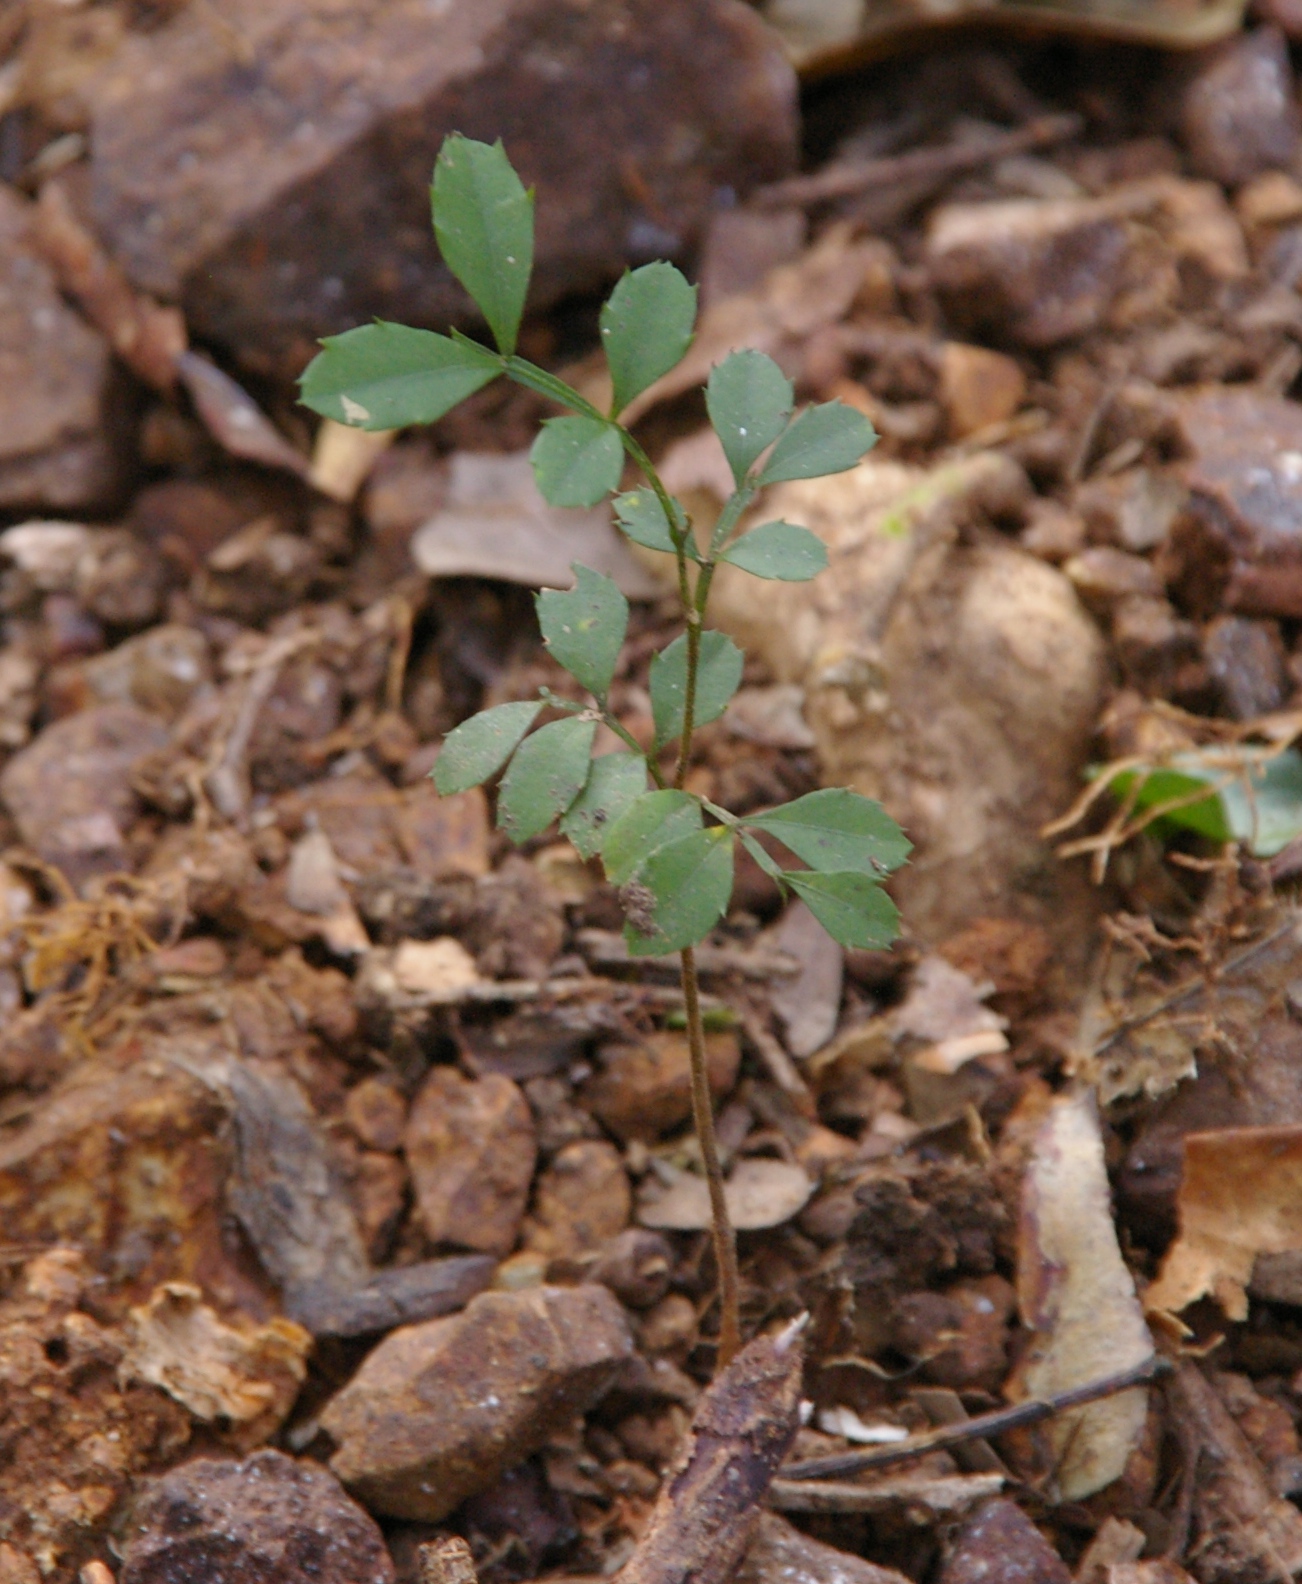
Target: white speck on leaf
(354,412)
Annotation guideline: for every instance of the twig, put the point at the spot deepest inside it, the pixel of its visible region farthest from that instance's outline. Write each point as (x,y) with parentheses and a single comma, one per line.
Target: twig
(846,180)
(988,1424)
(945,1493)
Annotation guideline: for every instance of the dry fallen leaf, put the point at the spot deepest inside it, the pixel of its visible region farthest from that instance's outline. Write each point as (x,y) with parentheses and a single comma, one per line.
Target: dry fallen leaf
(1240,1196)
(1078,1298)
(760,1193)
(248,1377)
(496,524)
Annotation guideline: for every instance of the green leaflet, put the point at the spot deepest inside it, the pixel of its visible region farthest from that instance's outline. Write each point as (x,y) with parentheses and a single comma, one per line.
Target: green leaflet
(483,220)
(479,747)
(545,777)
(749,400)
(584,628)
(852,908)
(837,829)
(615,783)
(577,461)
(826,439)
(718,677)
(778,550)
(387,376)
(646,327)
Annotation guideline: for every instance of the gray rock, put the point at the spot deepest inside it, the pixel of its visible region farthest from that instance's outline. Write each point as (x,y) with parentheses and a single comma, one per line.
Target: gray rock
(1238,115)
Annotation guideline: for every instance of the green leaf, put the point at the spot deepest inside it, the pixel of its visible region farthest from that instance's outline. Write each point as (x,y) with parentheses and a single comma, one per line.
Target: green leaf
(779,550)
(749,400)
(483,219)
(1265,815)
(577,461)
(852,908)
(584,628)
(616,781)
(826,439)
(769,865)
(387,376)
(646,327)
(641,516)
(652,822)
(545,777)
(481,746)
(718,676)
(688,885)
(837,829)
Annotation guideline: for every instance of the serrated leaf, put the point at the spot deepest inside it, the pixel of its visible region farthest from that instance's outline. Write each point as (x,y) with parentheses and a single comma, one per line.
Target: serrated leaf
(615,783)
(826,439)
(779,550)
(545,777)
(576,461)
(479,747)
(483,220)
(641,516)
(749,400)
(584,628)
(653,821)
(837,829)
(689,885)
(646,327)
(388,376)
(850,906)
(718,676)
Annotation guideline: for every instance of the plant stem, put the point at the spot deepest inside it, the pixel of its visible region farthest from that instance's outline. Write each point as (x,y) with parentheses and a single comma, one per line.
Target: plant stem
(725,1242)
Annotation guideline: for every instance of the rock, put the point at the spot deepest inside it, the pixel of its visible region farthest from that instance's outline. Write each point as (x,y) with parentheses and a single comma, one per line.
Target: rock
(159,670)
(921,658)
(581,1200)
(781,1554)
(244,1522)
(643,1090)
(377,1113)
(130,1167)
(471,1148)
(636,1265)
(1000,1542)
(959,1338)
(1237,112)
(1239,546)
(978,387)
(287,197)
(1102,575)
(438,1411)
(1246,660)
(1158,650)
(56,380)
(1134,510)
(70,793)
(1039,272)
(260,571)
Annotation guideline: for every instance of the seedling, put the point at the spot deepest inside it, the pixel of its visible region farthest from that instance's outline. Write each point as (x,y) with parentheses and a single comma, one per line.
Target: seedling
(669,851)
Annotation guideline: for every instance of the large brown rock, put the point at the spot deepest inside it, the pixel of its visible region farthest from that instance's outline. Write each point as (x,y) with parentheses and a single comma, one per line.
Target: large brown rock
(70,791)
(54,378)
(439,1410)
(271,173)
(265,1517)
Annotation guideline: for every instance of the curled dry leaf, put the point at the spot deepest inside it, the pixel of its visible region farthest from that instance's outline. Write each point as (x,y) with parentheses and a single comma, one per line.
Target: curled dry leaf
(1240,1197)
(247,1376)
(233,418)
(1078,1299)
(760,1193)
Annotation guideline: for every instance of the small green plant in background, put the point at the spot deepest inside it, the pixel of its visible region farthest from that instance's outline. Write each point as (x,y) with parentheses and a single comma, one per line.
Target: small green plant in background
(669,851)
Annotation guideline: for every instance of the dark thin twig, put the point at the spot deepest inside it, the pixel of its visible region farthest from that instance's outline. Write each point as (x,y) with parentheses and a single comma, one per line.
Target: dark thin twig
(847,180)
(988,1424)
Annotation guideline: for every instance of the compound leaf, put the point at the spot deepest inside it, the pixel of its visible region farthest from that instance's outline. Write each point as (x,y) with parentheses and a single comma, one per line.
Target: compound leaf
(749,400)
(653,821)
(545,777)
(615,783)
(483,219)
(780,550)
(387,376)
(837,829)
(718,676)
(577,461)
(641,516)
(584,628)
(687,884)
(646,327)
(825,439)
(481,746)
(850,906)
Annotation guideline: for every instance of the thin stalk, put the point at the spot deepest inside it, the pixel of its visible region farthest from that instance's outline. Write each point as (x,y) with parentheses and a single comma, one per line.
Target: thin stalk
(725,1242)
